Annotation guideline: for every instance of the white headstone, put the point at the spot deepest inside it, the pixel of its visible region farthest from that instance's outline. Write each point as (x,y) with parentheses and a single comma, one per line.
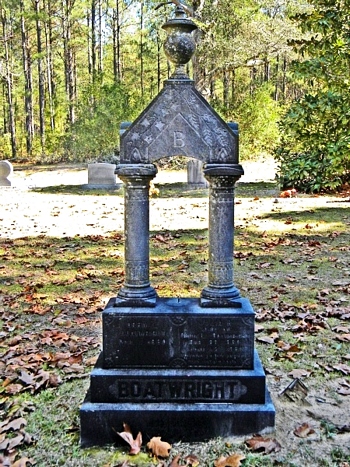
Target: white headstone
(6,170)
(195,174)
(101,174)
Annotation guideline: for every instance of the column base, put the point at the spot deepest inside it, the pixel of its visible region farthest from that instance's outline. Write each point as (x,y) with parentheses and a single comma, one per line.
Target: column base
(212,297)
(127,296)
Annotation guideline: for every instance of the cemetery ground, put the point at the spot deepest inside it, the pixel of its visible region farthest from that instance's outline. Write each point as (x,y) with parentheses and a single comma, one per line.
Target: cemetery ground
(61,249)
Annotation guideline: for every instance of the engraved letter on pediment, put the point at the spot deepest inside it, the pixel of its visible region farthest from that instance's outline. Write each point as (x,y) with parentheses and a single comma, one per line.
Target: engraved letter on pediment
(178,138)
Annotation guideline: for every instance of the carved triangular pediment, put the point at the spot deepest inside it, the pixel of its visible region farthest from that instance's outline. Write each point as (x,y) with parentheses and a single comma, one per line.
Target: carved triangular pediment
(179,121)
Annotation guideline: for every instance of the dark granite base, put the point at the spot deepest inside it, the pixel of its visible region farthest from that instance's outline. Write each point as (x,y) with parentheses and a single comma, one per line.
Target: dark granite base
(173,422)
(178,333)
(177,371)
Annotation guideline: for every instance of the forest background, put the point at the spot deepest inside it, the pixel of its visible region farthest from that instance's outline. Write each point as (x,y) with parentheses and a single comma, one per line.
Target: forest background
(72,70)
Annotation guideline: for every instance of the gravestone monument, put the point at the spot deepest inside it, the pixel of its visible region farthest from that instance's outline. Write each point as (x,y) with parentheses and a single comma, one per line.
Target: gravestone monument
(179,368)
(195,175)
(101,174)
(6,170)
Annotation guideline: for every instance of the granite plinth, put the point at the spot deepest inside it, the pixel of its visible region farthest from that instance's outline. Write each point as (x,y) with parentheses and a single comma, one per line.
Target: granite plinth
(178,333)
(171,371)
(173,421)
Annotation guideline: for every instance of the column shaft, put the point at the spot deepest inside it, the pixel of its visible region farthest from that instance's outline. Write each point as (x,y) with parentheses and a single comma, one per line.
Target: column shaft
(221,290)
(136,289)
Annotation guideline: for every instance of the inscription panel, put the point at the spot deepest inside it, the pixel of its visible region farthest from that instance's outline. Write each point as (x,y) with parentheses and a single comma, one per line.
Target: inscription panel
(176,339)
(177,390)
(178,385)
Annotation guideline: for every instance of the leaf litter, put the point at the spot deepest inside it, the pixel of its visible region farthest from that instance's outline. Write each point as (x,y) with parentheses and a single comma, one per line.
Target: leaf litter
(297,278)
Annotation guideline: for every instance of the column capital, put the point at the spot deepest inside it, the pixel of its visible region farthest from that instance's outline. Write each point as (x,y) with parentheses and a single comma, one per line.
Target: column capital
(223,170)
(135,171)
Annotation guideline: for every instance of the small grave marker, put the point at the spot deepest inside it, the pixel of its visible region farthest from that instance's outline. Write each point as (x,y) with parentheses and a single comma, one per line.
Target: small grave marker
(6,169)
(101,175)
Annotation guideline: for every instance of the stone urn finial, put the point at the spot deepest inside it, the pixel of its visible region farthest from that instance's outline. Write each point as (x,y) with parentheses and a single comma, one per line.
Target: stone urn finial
(180,44)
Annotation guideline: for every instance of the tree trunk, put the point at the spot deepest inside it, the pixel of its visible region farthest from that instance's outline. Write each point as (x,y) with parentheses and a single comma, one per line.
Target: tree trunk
(69,60)
(226,88)
(100,41)
(276,93)
(233,87)
(116,22)
(159,70)
(266,70)
(141,49)
(4,104)
(8,79)
(284,78)
(28,82)
(93,39)
(49,62)
(41,75)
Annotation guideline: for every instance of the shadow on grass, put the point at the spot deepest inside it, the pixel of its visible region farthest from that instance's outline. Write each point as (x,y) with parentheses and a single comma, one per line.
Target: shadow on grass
(34,168)
(166,190)
(260,189)
(330,214)
(79,190)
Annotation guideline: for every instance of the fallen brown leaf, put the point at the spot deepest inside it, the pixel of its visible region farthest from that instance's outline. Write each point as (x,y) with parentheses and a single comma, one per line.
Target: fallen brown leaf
(22,462)
(299,373)
(265,445)
(231,461)
(16,441)
(135,444)
(175,461)
(192,460)
(14,425)
(344,390)
(343,337)
(303,430)
(159,448)
(343,368)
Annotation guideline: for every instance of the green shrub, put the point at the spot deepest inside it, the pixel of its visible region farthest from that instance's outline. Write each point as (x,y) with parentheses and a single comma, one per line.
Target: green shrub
(95,134)
(313,155)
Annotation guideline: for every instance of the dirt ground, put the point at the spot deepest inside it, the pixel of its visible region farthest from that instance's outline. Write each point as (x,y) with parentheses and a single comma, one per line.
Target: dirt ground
(23,213)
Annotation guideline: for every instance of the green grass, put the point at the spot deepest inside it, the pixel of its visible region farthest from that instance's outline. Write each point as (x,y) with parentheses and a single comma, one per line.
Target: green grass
(297,278)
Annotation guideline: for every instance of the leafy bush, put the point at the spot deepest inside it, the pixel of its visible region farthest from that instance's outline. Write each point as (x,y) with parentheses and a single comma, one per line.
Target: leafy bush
(313,154)
(258,116)
(314,150)
(95,134)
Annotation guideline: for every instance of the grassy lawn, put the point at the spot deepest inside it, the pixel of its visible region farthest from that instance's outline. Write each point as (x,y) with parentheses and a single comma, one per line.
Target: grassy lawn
(292,260)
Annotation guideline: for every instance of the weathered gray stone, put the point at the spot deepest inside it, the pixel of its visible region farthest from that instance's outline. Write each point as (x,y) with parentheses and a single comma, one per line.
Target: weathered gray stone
(136,290)
(195,175)
(6,170)
(181,368)
(178,333)
(102,174)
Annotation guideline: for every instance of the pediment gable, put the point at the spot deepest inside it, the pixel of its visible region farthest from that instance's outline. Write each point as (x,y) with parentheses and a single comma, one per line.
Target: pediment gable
(179,121)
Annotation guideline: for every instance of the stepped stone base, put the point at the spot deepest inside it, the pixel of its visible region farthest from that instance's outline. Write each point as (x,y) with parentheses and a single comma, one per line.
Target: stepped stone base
(173,421)
(178,371)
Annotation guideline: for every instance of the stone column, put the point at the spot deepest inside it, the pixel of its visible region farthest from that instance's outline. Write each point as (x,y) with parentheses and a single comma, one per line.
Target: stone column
(136,290)
(221,290)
